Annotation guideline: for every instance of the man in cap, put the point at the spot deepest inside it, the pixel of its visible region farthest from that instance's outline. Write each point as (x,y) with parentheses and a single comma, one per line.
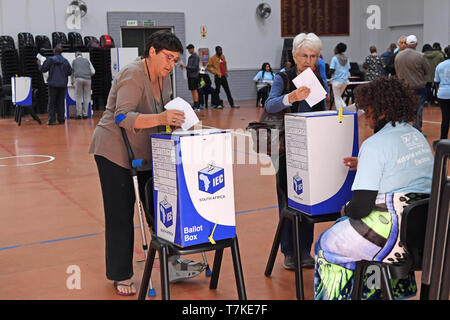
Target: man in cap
(82,72)
(192,69)
(411,66)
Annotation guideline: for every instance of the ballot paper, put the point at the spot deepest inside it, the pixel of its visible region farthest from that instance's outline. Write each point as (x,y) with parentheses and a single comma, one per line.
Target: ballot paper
(308,79)
(181,105)
(41,58)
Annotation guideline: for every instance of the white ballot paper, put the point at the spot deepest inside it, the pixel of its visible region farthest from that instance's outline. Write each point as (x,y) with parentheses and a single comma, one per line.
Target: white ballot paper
(308,79)
(181,105)
(41,58)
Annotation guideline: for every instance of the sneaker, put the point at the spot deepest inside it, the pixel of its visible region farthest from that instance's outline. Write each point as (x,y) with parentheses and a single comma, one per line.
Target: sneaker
(78,117)
(202,107)
(182,269)
(219,107)
(235,106)
(213,106)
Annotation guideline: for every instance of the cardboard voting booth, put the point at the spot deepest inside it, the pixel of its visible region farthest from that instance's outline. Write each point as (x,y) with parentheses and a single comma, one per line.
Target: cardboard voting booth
(21,91)
(318,182)
(193,188)
(120,57)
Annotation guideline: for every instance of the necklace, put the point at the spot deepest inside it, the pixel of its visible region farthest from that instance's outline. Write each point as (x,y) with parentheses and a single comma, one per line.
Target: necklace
(151,85)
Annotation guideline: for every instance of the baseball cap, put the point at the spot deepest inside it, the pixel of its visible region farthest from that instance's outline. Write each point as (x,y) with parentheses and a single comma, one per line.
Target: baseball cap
(190,46)
(411,39)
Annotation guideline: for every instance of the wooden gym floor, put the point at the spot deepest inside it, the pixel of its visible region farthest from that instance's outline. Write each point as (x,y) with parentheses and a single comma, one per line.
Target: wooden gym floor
(51,215)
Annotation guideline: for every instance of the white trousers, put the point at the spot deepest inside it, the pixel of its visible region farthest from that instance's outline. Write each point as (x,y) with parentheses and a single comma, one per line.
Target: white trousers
(338,90)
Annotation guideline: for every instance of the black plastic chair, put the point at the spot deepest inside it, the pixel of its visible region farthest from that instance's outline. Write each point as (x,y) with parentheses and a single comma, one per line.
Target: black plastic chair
(296,217)
(166,249)
(412,237)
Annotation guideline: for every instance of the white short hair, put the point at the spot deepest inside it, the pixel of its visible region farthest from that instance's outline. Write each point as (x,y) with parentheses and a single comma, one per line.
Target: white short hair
(310,41)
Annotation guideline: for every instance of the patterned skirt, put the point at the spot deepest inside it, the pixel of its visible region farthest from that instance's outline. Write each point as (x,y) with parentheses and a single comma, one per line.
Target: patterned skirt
(373,238)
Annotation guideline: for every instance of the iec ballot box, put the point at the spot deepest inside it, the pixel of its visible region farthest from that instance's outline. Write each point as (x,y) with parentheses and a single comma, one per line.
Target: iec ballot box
(318,182)
(193,186)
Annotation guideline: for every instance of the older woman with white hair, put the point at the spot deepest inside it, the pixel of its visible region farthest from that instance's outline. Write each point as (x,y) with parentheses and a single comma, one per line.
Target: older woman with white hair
(285,97)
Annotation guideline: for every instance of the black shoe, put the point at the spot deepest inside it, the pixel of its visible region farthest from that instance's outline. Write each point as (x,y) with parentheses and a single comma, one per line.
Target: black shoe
(51,123)
(235,106)
(61,122)
(78,118)
(85,117)
(307,262)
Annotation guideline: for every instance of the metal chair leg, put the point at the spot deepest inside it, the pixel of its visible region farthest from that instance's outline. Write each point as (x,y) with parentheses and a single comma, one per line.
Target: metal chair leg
(238,270)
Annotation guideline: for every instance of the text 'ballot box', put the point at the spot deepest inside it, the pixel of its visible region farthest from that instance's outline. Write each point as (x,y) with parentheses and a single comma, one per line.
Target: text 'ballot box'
(193,188)
(318,182)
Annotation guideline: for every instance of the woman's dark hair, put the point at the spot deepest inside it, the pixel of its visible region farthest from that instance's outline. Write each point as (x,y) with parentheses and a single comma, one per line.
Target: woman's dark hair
(427,47)
(263,68)
(163,39)
(447,51)
(390,97)
(341,47)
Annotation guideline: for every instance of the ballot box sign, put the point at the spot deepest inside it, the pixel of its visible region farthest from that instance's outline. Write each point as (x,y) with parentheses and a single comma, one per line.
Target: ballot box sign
(298,185)
(211,179)
(193,187)
(166,213)
(316,144)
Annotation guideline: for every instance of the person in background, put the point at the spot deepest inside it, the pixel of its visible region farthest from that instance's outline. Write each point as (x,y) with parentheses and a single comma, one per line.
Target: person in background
(217,65)
(205,89)
(321,65)
(401,45)
(285,97)
(374,65)
(192,69)
(82,72)
(412,67)
(384,184)
(433,57)
(442,80)
(340,72)
(139,93)
(263,80)
(59,70)
(388,59)
(287,66)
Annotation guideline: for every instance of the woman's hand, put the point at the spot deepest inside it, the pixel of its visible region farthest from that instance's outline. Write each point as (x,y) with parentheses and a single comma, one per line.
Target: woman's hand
(298,95)
(351,162)
(173,118)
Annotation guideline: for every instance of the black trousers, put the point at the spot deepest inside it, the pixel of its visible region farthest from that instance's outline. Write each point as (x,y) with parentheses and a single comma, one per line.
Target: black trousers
(445,109)
(56,96)
(118,202)
(222,81)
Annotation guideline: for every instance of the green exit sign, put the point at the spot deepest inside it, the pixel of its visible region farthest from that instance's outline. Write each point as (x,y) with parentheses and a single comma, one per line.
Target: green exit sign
(149,23)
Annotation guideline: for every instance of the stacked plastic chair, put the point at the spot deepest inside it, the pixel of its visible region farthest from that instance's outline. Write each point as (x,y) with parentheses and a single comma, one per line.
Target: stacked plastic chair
(101,81)
(61,39)
(76,42)
(9,58)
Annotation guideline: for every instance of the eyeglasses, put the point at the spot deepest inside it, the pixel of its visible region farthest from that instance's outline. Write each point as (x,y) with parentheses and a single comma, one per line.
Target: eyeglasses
(306,57)
(170,58)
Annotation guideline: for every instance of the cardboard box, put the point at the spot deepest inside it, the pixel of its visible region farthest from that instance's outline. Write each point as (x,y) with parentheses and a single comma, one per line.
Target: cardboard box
(193,188)
(318,182)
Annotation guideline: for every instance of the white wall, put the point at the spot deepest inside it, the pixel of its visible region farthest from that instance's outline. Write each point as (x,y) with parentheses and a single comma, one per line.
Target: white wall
(246,40)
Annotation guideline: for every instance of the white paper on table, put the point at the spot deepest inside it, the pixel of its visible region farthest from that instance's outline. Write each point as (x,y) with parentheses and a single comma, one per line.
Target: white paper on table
(308,79)
(191,118)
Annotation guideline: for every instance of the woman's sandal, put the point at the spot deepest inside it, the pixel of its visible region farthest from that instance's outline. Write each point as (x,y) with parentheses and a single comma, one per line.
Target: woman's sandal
(118,284)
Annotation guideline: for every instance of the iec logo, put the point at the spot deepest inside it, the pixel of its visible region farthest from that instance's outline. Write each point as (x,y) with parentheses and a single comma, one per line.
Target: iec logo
(298,184)
(165,213)
(211,179)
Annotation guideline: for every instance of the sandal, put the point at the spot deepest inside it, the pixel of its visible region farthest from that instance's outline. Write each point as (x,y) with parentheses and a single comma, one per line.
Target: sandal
(118,284)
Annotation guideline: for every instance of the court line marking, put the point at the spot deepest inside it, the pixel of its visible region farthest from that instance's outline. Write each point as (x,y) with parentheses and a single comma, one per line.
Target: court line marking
(101,233)
(50,159)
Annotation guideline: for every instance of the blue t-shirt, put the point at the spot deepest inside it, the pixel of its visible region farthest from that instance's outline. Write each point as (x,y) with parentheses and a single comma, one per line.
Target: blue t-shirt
(395,159)
(268,76)
(341,73)
(443,77)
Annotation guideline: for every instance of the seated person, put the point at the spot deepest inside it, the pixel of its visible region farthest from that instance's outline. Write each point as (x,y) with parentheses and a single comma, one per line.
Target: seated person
(265,74)
(205,89)
(394,168)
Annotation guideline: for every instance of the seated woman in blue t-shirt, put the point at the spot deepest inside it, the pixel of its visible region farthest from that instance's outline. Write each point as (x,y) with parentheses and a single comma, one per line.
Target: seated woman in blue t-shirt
(264,79)
(394,168)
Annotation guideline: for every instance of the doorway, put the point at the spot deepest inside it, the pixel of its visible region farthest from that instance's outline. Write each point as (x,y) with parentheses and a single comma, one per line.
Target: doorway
(136,37)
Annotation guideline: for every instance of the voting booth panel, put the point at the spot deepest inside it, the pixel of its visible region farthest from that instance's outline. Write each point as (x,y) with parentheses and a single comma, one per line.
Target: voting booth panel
(193,186)
(120,57)
(316,144)
(21,91)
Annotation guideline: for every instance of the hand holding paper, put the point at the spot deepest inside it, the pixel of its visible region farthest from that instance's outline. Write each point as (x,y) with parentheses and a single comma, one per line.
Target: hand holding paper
(308,79)
(182,105)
